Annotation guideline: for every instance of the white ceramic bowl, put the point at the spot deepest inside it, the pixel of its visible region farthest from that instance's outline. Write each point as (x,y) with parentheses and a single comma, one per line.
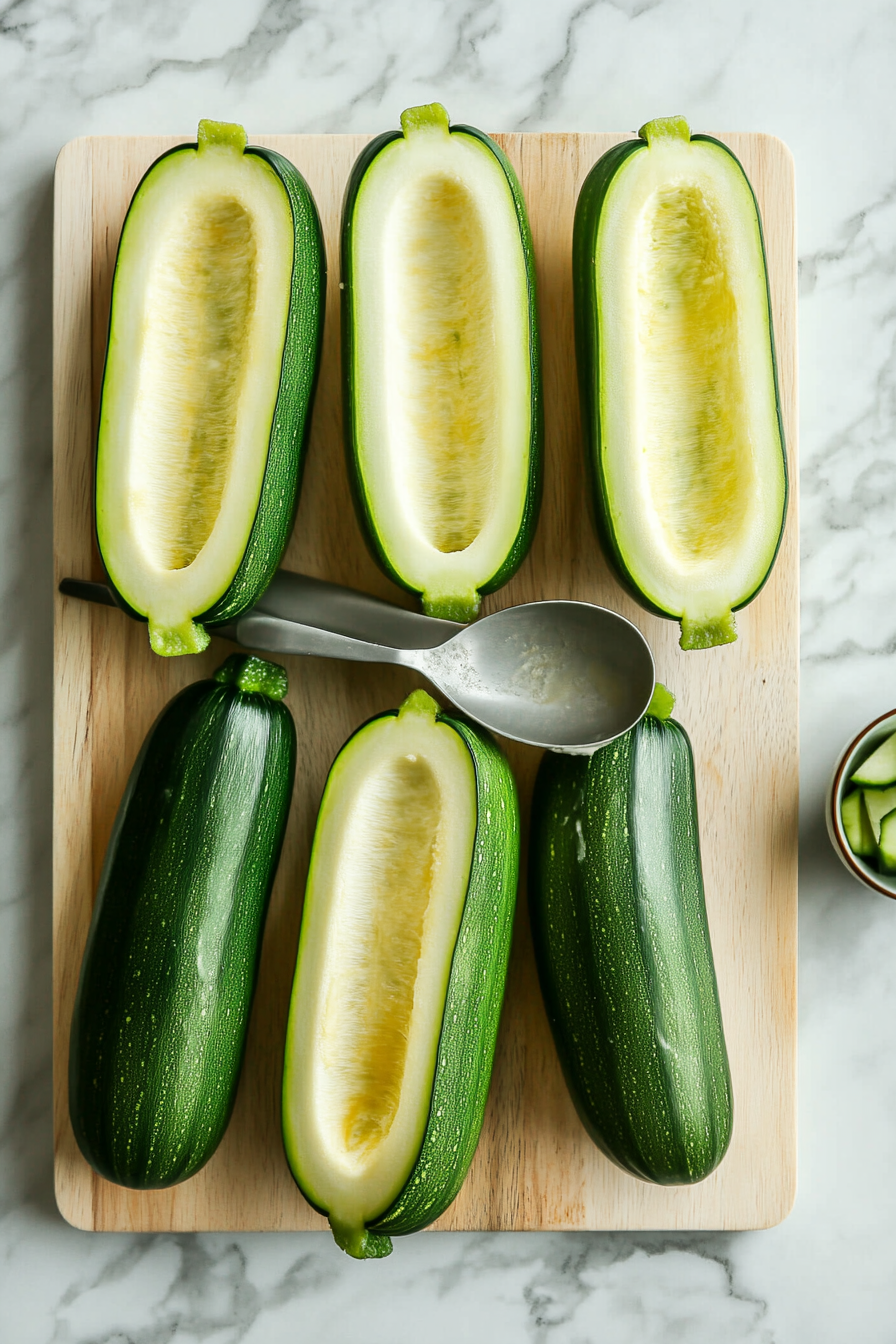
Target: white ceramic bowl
(856,751)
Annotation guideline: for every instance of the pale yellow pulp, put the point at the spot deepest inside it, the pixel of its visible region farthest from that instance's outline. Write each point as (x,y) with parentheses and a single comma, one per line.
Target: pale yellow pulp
(447,386)
(200,300)
(696,415)
(386,892)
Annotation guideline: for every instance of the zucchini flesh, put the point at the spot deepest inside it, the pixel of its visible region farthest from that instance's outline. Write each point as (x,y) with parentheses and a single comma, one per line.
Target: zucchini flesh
(214,341)
(169,970)
(623,952)
(401,966)
(678,377)
(443,397)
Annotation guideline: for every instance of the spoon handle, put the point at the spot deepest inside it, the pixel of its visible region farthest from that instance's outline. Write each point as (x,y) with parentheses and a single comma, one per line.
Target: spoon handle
(273,635)
(329,606)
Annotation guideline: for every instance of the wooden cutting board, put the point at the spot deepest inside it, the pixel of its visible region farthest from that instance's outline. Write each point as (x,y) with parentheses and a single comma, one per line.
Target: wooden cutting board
(535,1166)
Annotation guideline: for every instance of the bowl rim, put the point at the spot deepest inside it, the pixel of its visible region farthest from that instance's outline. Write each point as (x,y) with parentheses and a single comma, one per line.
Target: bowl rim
(859,870)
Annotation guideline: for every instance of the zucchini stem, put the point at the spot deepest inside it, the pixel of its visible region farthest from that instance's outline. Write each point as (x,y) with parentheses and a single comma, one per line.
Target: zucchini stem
(665,128)
(359,1242)
(250,673)
(707,632)
(427,117)
(662,703)
(221,135)
(171,641)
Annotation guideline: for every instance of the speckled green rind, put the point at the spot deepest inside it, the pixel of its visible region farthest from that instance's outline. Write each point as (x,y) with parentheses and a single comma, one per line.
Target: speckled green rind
(474,998)
(171,961)
(592,198)
(624,958)
(291,423)
(529,520)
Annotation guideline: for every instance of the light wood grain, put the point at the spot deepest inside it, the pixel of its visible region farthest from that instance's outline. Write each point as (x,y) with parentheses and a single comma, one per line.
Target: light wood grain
(535,1167)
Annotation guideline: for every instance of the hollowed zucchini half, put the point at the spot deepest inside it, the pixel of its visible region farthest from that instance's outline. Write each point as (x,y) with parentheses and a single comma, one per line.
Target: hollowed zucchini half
(212,358)
(441,363)
(678,379)
(400,974)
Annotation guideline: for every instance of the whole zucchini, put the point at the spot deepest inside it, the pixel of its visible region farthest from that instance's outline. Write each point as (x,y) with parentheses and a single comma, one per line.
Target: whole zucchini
(172,956)
(441,360)
(623,952)
(400,974)
(678,379)
(214,344)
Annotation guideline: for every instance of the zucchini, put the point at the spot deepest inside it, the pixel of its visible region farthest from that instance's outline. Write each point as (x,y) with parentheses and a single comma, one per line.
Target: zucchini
(878,802)
(171,961)
(879,769)
(441,361)
(857,826)
(213,351)
(678,379)
(400,973)
(887,846)
(623,952)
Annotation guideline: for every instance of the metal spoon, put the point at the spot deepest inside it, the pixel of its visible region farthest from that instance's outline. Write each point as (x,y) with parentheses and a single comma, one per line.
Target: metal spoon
(563,675)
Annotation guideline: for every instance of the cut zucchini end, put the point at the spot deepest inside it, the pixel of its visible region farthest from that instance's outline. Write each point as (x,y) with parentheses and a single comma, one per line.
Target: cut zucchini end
(427,118)
(456,607)
(173,641)
(706,632)
(221,135)
(662,702)
(419,702)
(665,128)
(359,1242)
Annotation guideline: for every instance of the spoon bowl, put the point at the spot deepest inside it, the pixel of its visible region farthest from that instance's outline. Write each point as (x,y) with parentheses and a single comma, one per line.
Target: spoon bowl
(561,675)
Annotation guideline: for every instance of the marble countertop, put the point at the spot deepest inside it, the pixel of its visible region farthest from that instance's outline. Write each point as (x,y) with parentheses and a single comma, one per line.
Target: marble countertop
(819,75)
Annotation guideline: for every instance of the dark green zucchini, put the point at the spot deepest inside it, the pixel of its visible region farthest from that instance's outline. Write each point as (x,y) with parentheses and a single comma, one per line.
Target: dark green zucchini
(171,961)
(214,345)
(623,951)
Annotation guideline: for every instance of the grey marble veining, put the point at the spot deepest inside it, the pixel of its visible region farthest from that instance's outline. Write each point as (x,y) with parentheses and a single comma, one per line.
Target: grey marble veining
(818,75)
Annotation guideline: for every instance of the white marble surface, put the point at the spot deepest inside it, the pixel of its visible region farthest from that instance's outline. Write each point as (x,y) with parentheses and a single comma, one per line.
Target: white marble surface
(820,75)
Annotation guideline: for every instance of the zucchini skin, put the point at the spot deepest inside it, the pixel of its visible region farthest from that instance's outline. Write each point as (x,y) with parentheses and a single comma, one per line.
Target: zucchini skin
(172,955)
(534,489)
(474,999)
(291,425)
(623,953)
(587,336)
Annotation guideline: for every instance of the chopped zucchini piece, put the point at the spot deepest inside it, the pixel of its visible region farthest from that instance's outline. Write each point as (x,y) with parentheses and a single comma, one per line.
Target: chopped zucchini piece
(859,835)
(887,847)
(880,767)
